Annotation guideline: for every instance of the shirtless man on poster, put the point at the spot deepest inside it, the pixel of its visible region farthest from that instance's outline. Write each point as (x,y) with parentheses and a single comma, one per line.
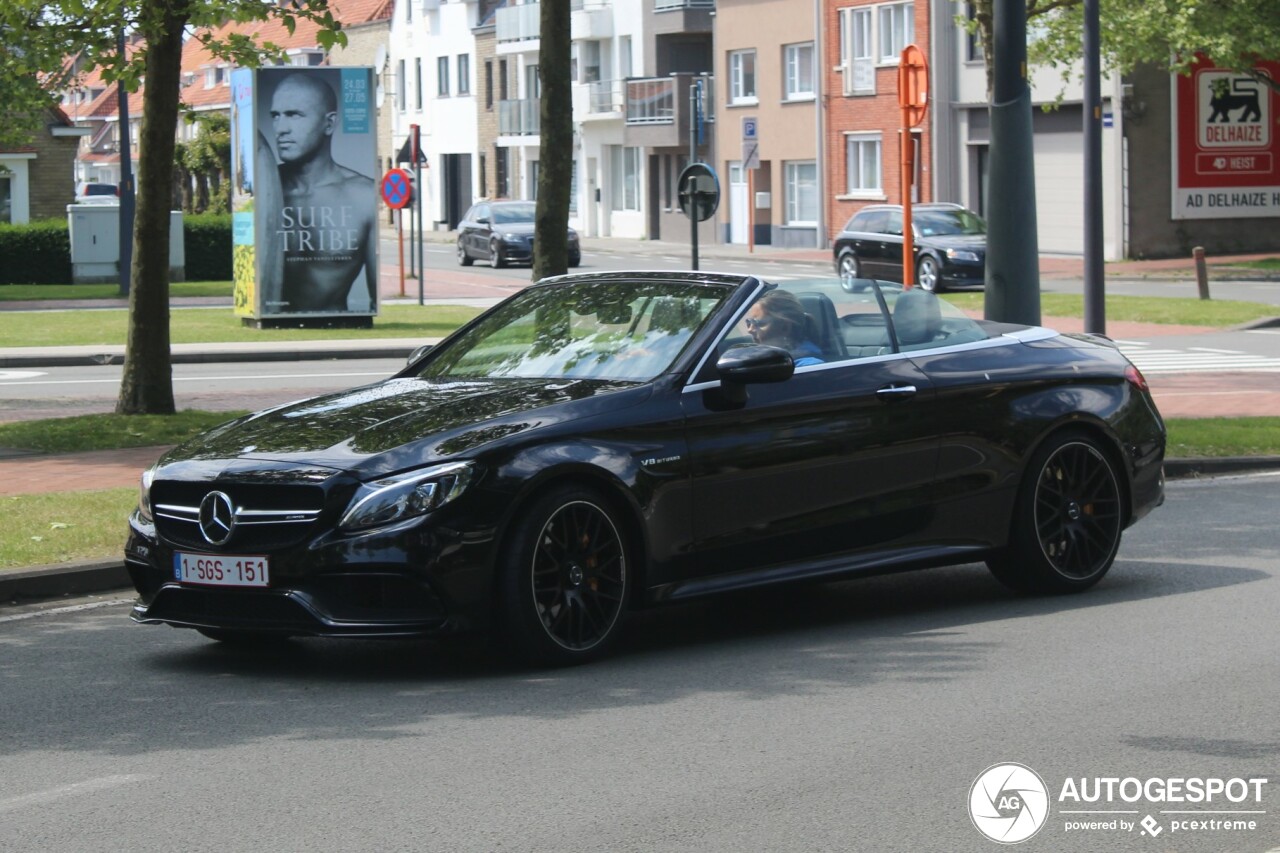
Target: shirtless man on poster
(326,224)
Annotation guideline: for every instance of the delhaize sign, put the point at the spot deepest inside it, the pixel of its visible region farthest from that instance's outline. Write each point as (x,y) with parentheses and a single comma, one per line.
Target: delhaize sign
(1226,144)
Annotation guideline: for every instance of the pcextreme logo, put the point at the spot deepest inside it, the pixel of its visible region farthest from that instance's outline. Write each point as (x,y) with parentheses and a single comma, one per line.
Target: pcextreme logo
(1009,803)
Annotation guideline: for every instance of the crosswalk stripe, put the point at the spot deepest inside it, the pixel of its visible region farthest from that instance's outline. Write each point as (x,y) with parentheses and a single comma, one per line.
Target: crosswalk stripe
(1196,360)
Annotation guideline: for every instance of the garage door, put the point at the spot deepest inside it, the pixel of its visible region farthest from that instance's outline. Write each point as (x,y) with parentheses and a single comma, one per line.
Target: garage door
(1060,191)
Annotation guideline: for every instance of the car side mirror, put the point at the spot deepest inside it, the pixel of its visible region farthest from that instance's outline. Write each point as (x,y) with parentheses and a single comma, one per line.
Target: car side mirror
(418,353)
(755,363)
(483,220)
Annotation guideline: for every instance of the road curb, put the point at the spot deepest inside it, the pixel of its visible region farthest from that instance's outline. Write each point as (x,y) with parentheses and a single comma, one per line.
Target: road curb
(75,578)
(86,576)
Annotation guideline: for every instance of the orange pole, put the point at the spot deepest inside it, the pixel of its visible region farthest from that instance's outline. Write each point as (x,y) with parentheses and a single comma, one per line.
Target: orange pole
(400,234)
(908,233)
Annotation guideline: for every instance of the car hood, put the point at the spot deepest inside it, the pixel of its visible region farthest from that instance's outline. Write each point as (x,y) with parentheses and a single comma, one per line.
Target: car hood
(972,242)
(403,422)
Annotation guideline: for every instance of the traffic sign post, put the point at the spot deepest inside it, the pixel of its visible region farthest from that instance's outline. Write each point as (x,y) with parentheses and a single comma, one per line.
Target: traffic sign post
(751,162)
(397,192)
(699,198)
(913,99)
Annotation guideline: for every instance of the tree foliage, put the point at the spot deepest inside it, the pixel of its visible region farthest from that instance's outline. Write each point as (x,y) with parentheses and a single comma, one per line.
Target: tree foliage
(1233,34)
(41,37)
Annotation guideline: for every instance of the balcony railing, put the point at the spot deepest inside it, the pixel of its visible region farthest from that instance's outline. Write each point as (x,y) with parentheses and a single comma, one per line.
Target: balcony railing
(519,118)
(606,96)
(669,5)
(518,23)
(659,100)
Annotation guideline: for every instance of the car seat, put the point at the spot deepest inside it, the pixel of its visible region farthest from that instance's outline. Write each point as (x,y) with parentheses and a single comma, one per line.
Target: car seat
(824,326)
(917,319)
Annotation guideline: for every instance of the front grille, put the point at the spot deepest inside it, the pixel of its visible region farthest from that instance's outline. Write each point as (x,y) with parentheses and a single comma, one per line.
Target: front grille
(268,517)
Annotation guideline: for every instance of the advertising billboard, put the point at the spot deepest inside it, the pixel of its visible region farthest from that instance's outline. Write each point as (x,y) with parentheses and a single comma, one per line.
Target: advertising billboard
(1226,149)
(305,198)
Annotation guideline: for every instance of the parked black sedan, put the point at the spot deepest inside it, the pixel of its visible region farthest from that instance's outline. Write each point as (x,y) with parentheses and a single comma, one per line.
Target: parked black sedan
(950,245)
(501,232)
(598,443)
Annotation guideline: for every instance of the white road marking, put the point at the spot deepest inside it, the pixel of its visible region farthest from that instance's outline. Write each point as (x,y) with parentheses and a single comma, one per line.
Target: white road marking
(1211,349)
(20,374)
(40,798)
(1197,360)
(73,608)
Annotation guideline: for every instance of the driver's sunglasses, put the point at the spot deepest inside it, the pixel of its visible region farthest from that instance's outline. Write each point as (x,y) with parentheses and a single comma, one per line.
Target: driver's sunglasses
(753,323)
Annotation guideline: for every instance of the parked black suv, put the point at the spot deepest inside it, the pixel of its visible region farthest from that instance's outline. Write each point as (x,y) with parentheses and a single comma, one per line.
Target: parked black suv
(950,245)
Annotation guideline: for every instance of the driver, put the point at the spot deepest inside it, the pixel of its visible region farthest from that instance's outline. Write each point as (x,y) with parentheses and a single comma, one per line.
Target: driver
(778,320)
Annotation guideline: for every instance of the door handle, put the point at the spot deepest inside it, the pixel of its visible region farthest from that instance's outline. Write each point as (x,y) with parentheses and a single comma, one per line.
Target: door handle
(891,393)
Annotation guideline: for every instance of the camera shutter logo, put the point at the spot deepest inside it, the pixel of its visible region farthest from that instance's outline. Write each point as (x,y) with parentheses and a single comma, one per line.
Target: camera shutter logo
(217,518)
(1008,803)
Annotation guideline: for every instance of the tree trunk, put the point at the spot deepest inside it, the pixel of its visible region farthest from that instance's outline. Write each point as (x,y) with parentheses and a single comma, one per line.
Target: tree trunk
(202,192)
(555,151)
(147,385)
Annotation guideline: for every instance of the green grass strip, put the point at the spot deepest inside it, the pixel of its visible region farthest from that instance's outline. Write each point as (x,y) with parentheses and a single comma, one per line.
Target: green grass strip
(33,292)
(1174,310)
(37,530)
(1258,436)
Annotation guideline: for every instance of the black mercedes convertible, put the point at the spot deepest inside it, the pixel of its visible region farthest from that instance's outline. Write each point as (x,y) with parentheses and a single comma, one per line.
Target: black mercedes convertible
(600,443)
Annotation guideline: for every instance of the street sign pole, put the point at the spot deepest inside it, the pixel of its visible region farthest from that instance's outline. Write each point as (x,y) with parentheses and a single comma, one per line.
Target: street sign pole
(693,158)
(913,97)
(751,162)
(417,196)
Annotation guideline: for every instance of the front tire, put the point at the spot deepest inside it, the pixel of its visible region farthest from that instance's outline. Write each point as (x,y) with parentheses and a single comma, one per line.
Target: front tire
(495,255)
(927,274)
(1067,522)
(565,579)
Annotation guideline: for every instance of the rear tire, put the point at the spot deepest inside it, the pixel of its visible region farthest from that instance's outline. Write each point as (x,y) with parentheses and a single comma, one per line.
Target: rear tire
(464,258)
(565,579)
(850,270)
(1067,521)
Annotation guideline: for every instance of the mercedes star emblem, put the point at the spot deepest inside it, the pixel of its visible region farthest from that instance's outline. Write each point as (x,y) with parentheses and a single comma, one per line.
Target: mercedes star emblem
(217,518)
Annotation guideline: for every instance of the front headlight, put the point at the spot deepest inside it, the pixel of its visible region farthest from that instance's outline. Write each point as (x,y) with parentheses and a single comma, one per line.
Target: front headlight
(962,255)
(415,493)
(144,494)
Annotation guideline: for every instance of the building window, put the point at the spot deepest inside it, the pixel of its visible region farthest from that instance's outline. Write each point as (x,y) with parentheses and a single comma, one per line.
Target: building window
(798,61)
(464,74)
(6,200)
(401,85)
(532,82)
(802,193)
(742,77)
(442,76)
(897,30)
(856,54)
(502,79)
(500,172)
(408,11)
(417,73)
(488,84)
(862,164)
(625,178)
(973,40)
(533,180)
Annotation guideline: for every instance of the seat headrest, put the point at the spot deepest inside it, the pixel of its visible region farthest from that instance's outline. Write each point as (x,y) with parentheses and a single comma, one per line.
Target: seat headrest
(917,317)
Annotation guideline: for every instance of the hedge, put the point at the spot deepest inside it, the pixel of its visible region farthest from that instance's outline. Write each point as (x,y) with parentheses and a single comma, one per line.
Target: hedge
(40,252)
(208,246)
(36,253)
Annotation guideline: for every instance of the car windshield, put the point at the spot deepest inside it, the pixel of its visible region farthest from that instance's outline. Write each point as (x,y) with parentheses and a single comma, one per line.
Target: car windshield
(508,213)
(613,330)
(935,223)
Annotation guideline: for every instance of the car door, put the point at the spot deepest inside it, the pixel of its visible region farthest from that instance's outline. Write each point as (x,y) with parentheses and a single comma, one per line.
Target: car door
(868,229)
(891,247)
(478,231)
(837,459)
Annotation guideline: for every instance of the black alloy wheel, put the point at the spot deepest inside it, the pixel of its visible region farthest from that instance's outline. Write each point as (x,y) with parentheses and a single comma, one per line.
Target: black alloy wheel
(495,254)
(575,260)
(1068,521)
(850,270)
(927,275)
(566,580)
(464,258)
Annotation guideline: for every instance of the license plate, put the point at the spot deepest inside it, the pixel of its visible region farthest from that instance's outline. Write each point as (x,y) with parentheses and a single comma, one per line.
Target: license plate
(220,570)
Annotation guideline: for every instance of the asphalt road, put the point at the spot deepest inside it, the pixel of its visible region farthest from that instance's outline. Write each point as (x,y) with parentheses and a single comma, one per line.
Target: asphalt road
(843,716)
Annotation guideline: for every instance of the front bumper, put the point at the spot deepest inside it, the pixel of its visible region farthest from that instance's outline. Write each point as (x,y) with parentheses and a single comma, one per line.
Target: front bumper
(420,578)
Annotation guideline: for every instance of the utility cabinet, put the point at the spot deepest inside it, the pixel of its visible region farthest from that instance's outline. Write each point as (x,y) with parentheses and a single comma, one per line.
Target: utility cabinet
(95,243)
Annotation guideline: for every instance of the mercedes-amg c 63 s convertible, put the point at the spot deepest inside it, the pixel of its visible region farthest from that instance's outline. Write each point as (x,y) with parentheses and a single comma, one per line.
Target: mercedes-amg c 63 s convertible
(600,443)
